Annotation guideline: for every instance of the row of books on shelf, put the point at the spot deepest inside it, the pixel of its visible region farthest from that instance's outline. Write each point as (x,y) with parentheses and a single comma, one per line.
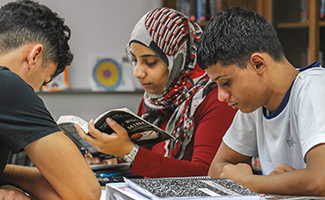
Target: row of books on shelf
(199,10)
(304,14)
(204,10)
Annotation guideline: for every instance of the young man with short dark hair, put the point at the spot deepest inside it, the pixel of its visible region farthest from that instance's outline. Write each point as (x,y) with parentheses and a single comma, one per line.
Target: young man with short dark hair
(281,117)
(33,49)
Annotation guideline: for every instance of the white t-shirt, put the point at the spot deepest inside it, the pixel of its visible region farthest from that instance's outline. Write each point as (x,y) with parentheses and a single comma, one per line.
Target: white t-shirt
(288,133)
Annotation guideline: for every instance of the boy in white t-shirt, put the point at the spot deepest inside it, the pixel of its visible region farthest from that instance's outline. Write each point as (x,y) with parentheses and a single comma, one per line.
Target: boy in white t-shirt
(282,109)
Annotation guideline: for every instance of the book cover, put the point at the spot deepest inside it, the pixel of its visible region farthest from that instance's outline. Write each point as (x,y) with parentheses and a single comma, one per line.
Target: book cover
(190,188)
(140,131)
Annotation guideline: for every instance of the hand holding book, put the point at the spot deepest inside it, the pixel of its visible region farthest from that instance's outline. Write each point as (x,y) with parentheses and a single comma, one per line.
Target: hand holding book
(115,136)
(117,143)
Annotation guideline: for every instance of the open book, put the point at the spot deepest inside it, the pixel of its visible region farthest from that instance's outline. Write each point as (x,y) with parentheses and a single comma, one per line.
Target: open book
(140,131)
(66,124)
(201,187)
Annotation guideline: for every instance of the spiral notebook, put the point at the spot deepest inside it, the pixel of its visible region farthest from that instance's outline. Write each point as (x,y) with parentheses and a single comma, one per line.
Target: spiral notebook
(201,187)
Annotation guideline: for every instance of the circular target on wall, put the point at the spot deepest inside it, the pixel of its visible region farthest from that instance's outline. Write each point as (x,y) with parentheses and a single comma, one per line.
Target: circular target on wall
(107,74)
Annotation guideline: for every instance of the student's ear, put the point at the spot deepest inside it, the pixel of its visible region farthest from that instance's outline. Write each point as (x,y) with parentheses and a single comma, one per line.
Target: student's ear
(34,57)
(258,61)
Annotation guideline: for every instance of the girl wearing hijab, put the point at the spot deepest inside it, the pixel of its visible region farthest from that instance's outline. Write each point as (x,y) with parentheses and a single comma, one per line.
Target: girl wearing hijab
(179,98)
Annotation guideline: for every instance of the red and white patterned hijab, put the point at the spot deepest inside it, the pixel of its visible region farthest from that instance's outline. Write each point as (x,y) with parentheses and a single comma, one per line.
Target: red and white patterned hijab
(173,37)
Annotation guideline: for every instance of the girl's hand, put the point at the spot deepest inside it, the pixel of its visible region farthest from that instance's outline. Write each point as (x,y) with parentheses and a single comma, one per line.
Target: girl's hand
(98,161)
(117,143)
(8,192)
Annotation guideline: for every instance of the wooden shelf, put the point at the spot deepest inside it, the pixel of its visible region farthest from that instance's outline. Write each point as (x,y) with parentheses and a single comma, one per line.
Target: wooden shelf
(87,91)
(203,24)
(292,25)
(297,25)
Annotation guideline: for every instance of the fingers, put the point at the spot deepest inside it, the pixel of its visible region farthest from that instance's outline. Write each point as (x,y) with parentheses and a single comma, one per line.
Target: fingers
(81,132)
(288,168)
(98,134)
(91,128)
(117,143)
(282,168)
(231,170)
(11,192)
(93,132)
(87,137)
(115,126)
(226,169)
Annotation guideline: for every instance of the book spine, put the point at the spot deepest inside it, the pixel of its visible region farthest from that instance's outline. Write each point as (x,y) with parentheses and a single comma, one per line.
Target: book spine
(183,7)
(322,10)
(304,11)
(213,8)
(218,6)
(199,10)
(204,10)
(193,10)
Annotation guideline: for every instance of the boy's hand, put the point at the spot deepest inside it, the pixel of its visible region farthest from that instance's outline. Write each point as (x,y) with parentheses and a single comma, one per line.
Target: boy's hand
(282,168)
(239,173)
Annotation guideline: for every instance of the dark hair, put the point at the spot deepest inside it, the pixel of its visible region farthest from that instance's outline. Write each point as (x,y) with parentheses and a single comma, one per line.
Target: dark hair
(24,22)
(233,35)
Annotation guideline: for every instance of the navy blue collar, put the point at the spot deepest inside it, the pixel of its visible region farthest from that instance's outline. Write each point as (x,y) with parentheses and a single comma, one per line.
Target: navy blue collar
(286,97)
(313,65)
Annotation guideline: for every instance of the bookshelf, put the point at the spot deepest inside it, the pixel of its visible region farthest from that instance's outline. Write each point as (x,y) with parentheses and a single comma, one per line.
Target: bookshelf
(303,40)
(301,37)
(261,6)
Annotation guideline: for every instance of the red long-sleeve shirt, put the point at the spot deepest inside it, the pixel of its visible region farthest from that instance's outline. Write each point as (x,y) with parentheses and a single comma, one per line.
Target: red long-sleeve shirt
(211,120)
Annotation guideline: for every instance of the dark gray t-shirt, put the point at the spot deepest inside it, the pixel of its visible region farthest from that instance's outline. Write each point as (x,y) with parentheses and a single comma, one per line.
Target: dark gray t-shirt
(23,116)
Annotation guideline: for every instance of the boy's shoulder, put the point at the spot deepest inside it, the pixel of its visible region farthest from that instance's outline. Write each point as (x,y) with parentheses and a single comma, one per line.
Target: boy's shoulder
(312,73)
